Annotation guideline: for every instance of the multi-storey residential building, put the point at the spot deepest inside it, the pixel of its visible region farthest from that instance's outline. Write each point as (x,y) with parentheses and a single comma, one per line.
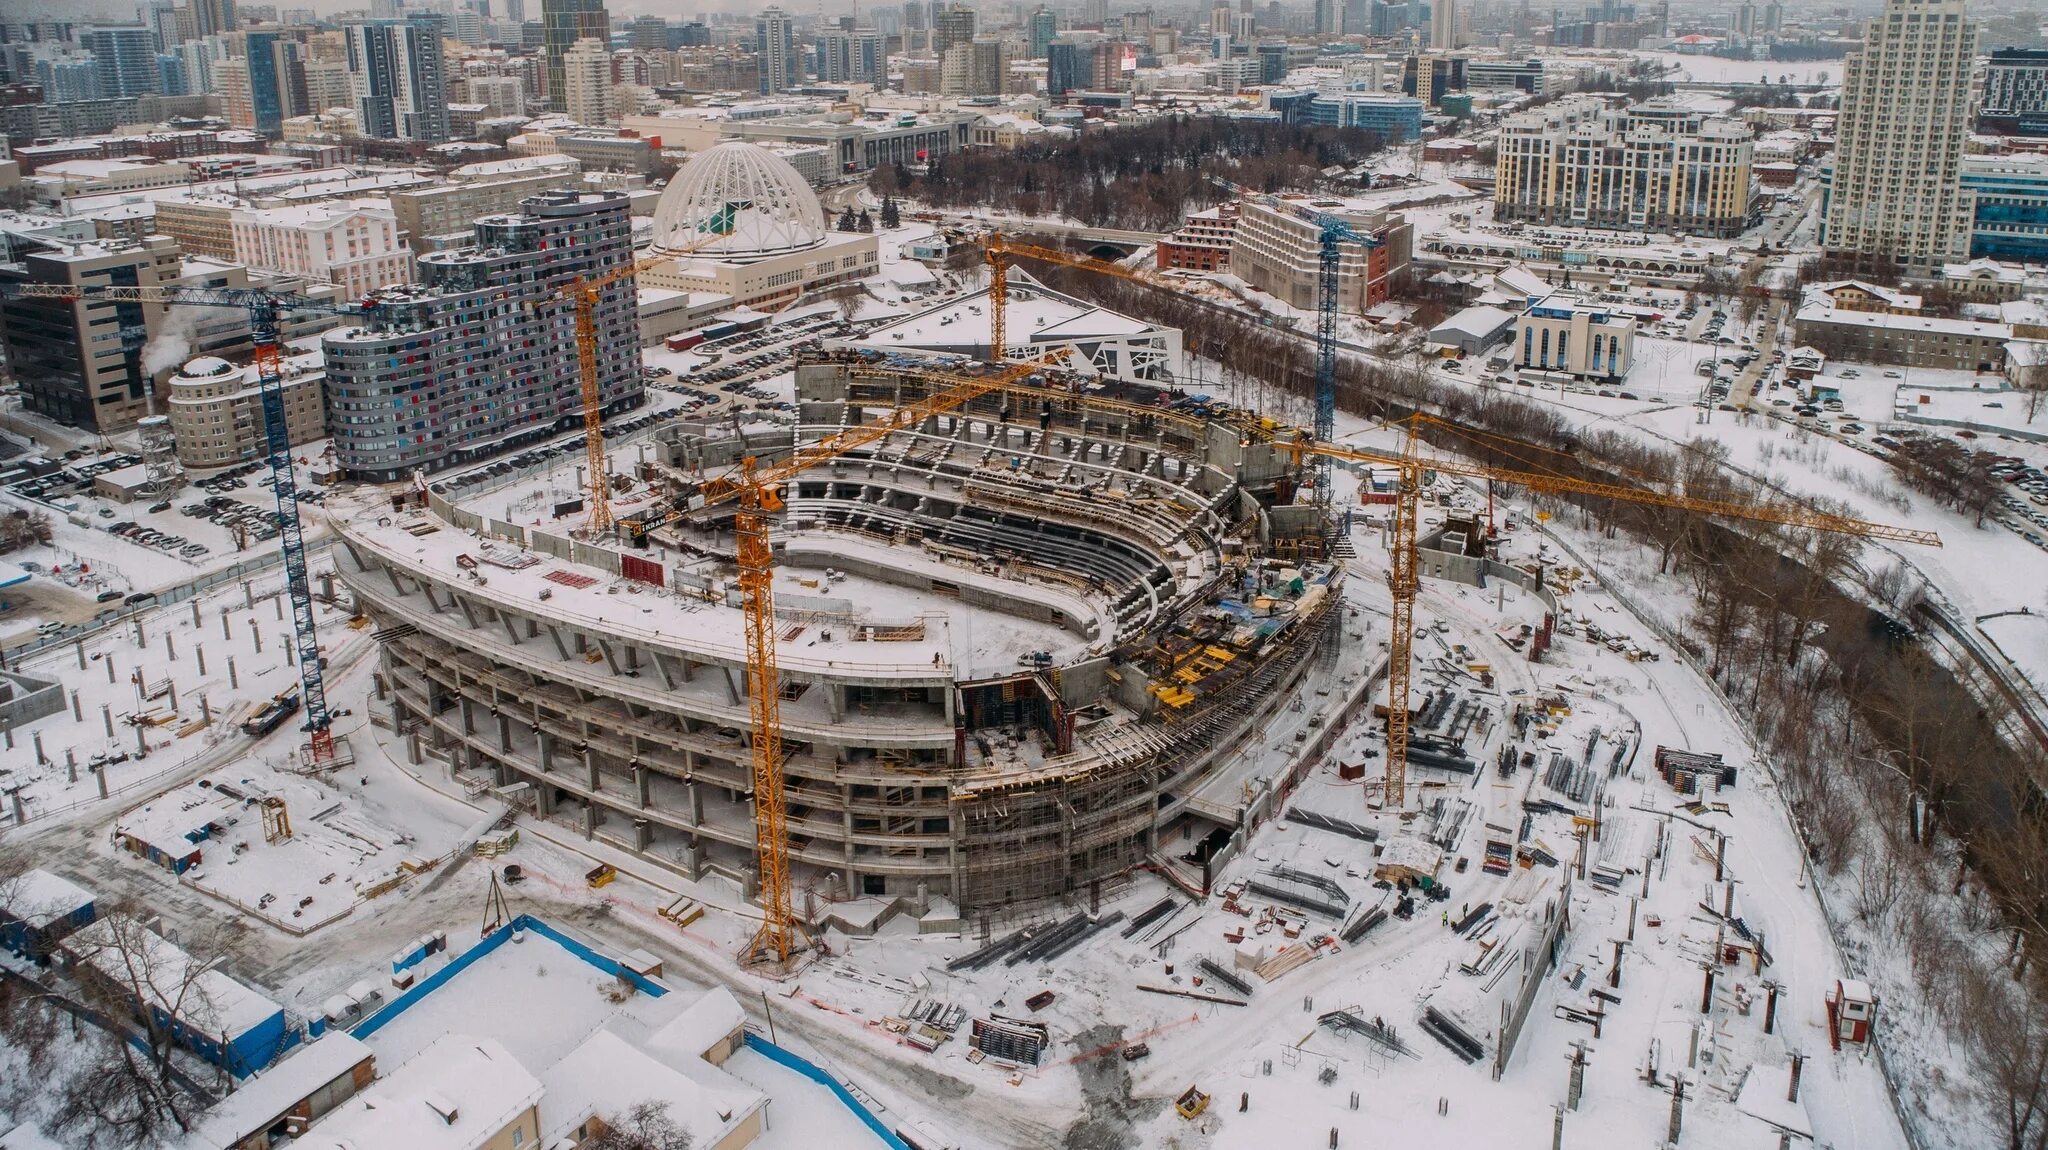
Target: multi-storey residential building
(972,69)
(1277,248)
(1202,242)
(445,216)
(1660,167)
(588,95)
(354,246)
(1897,196)
(2016,91)
(216,409)
(951,24)
(775,48)
(482,351)
(563,23)
(397,72)
(500,95)
(126,59)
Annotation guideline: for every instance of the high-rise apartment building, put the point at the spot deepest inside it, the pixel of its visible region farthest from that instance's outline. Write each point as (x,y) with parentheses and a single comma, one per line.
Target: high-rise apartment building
(870,58)
(1327,14)
(588,94)
(482,350)
(1897,195)
(775,49)
(500,95)
(1045,25)
(2016,90)
(952,24)
(269,85)
(832,56)
(1443,25)
(396,69)
(563,22)
(126,56)
(212,17)
(1660,166)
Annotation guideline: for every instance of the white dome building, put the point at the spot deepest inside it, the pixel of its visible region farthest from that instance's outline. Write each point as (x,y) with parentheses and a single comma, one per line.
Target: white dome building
(743,224)
(738,201)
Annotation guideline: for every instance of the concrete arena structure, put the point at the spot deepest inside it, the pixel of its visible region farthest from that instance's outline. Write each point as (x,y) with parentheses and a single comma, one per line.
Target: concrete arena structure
(1111,564)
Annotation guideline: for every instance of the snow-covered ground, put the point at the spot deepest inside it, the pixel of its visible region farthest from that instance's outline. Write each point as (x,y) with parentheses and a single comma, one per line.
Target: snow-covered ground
(1717,70)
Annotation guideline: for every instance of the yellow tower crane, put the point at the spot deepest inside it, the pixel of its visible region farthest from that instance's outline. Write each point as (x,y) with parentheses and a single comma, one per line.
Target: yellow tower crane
(584,295)
(1403,580)
(999,252)
(757,490)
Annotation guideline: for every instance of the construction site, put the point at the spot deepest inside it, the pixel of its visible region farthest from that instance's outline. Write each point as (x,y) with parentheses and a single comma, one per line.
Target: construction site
(1014,639)
(981,694)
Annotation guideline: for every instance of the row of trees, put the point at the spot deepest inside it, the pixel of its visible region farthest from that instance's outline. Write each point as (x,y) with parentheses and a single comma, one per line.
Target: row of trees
(1143,177)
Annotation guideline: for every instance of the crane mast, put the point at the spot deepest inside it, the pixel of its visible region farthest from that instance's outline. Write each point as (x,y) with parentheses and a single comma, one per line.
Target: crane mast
(264,310)
(1403,579)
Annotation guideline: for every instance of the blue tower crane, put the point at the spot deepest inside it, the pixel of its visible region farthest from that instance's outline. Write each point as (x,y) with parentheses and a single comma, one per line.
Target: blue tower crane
(264,309)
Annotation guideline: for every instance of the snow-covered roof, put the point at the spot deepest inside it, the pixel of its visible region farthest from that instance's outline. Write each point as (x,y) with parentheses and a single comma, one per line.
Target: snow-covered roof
(1411,853)
(210,1001)
(707,1021)
(261,1100)
(1033,313)
(1891,296)
(1521,281)
(40,898)
(455,1095)
(607,1076)
(1821,311)
(1479,322)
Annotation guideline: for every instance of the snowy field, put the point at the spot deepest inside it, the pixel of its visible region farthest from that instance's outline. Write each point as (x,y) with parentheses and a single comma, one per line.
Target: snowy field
(145,691)
(1715,70)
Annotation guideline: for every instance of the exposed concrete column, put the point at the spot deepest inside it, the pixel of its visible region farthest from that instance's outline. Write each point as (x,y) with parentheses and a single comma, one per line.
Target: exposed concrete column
(504,731)
(846,824)
(643,834)
(547,799)
(589,819)
(640,773)
(835,701)
(468,708)
(696,801)
(590,767)
(544,747)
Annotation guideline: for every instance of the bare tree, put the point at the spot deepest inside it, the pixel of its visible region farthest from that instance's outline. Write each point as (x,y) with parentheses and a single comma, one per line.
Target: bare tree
(128,971)
(646,1126)
(2010,1025)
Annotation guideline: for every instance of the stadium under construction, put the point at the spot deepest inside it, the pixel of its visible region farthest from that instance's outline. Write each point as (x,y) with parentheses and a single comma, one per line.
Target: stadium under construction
(1023,642)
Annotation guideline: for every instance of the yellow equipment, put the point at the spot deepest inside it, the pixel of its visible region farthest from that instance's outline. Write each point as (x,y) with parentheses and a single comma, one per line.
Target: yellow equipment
(277,821)
(1402,575)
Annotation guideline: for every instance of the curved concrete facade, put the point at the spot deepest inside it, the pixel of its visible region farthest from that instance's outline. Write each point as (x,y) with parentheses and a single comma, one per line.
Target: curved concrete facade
(620,708)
